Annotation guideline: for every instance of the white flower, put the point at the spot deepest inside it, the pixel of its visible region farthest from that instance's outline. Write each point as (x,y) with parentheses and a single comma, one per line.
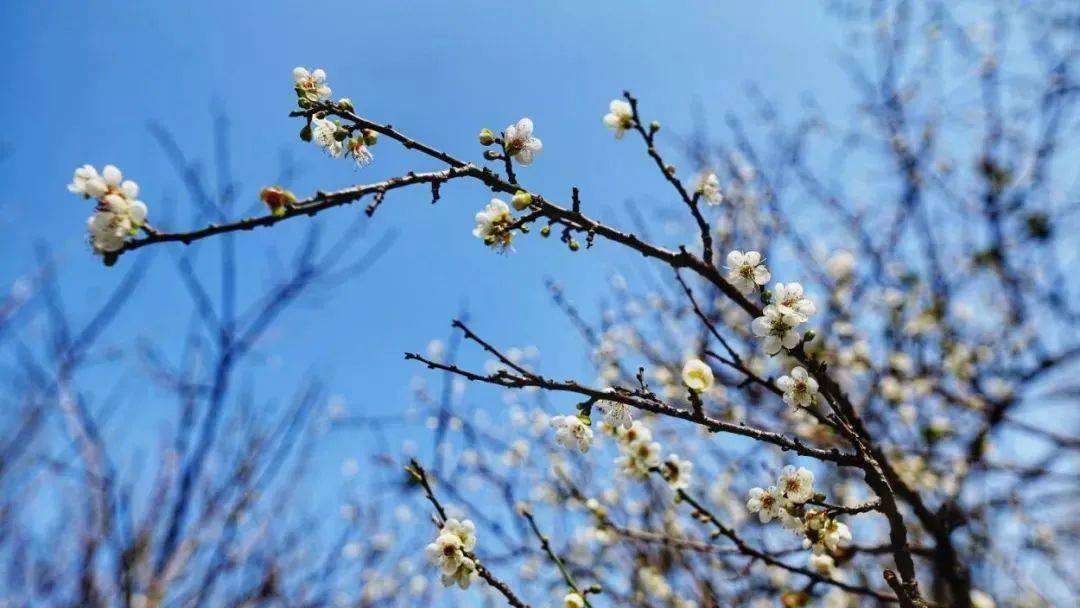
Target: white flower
(797,485)
(520,143)
(311,85)
(571,432)
(824,565)
(635,432)
(87,182)
(777,327)
(616,413)
(697,375)
(491,224)
(767,503)
(981,599)
(639,457)
(746,271)
(448,553)
(118,213)
(841,264)
(799,388)
(620,117)
(360,151)
(677,472)
(573,600)
(323,133)
(709,187)
(789,298)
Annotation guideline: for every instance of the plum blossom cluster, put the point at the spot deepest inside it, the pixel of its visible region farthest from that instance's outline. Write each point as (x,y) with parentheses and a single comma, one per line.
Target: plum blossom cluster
(786,306)
(788,502)
(451,553)
(640,455)
(328,133)
(573,432)
(118,213)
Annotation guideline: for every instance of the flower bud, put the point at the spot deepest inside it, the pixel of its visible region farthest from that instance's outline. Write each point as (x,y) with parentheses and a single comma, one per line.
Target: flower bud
(370,137)
(305,133)
(574,246)
(491,155)
(809,335)
(654,126)
(277,199)
(521,200)
(303,103)
(545,231)
(340,134)
(346,104)
(486,137)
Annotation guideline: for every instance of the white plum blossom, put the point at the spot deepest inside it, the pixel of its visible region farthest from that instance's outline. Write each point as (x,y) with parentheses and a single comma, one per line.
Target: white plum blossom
(767,503)
(831,537)
(777,327)
(620,117)
(789,298)
(520,143)
(118,213)
(616,413)
(571,432)
(697,375)
(797,485)
(360,151)
(449,553)
(708,186)
(491,225)
(311,85)
(323,133)
(635,432)
(824,565)
(746,271)
(639,457)
(573,600)
(677,472)
(799,388)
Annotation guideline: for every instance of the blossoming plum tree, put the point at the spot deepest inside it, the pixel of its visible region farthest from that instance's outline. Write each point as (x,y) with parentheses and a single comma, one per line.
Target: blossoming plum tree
(855,403)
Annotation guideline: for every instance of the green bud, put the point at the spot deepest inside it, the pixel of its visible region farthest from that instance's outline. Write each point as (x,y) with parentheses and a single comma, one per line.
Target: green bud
(521,200)
(525,228)
(574,246)
(345,104)
(340,135)
(491,154)
(280,211)
(654,126)
(370,137)
(809,335)
(766,296)
(545,231)
(486,137)
(305,133)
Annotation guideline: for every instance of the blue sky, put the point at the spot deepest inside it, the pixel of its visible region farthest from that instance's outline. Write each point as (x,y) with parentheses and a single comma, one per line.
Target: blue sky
(90,75)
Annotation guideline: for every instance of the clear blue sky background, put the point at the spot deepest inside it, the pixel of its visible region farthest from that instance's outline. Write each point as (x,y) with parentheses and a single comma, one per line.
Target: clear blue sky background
(84,79)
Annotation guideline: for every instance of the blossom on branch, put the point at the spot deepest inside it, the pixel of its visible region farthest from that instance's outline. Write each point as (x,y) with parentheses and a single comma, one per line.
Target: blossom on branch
(799,388)
(449,553)
(789,298)
(619,118)
(746,271)
(708,186)
(492,225)
(571,432)
(311,86)
(697,375)
(520,143)
(118,213)
(777,327)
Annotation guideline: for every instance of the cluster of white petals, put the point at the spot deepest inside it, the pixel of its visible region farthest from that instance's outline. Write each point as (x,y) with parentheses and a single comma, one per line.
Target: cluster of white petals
(677,472)
(492,223)
(324,133)
(639,453)
(616,413)
(777,327)
(620,117)
(449,553)
(520,143)
(697,375)
(572,432)
(118,214)
(746,271)
(708,186)
(311,85)
(799,388)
